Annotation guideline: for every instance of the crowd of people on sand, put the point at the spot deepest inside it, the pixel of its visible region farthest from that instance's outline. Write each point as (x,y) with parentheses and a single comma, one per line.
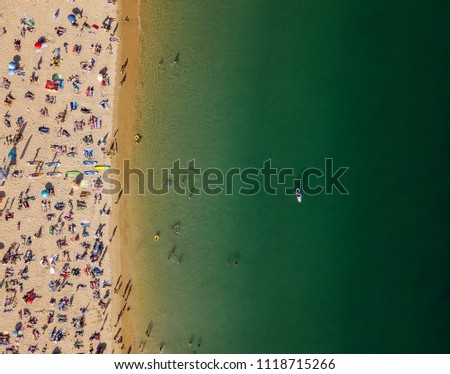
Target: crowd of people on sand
(73,264)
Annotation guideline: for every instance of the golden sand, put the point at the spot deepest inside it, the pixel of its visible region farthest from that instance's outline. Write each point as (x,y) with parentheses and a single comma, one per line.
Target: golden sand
(101,314)
(125,118)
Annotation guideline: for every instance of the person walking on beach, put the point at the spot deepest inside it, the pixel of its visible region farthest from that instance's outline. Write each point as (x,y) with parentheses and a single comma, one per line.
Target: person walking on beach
(118,197)
(123,80)
(122,69)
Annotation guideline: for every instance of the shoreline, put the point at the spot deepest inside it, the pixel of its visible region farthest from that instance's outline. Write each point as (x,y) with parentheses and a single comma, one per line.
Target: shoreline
(125,117)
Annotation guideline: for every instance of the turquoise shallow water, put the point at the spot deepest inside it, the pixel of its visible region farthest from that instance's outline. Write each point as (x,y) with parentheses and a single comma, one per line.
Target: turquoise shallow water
(297,82)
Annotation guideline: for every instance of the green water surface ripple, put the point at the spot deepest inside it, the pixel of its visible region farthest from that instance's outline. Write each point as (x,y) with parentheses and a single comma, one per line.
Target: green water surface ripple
(365,83)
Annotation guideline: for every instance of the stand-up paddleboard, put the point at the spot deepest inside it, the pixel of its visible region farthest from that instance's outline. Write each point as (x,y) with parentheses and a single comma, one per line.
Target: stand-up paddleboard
(102,167)
(34,163)
(54,174)
(35,175)
(89,162)
(298,194)
(52,164)
(72,173)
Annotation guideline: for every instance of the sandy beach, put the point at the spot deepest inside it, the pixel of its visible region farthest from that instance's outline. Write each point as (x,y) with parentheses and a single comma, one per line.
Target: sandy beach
(125,119)
(62,287)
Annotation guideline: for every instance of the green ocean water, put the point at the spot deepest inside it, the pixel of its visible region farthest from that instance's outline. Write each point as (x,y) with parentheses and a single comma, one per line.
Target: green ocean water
(364,83)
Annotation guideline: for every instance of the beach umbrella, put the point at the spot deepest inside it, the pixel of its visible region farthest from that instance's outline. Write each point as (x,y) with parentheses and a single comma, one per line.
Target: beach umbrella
(38,45)
(12,153)
(44,193)
(55,77)
(12,65)
(72,18)
(11,72)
